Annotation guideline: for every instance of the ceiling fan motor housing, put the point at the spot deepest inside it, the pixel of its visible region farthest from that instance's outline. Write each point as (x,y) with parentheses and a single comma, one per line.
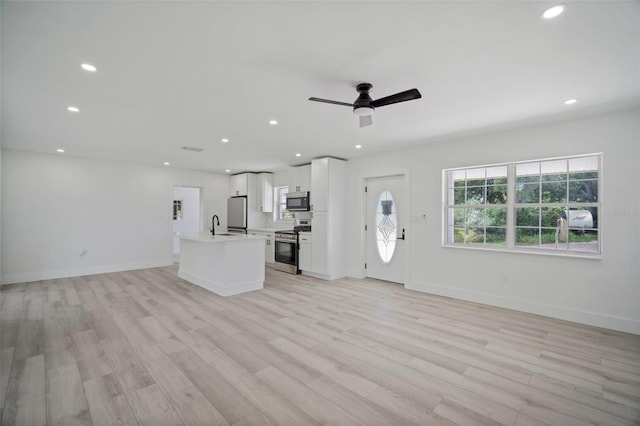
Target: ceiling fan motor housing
(362,105)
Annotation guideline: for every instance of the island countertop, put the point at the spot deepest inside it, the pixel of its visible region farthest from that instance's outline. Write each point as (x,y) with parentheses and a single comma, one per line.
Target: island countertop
(223,237)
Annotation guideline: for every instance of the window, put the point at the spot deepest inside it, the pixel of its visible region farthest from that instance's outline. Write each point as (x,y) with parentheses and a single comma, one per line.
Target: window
(544,205)
(281,212)
(478,206)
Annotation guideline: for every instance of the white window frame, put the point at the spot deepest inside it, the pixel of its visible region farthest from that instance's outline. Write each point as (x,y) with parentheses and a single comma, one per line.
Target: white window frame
(511,206)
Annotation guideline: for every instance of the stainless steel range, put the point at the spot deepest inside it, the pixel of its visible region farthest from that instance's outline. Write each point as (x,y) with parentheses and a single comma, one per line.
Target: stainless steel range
(286,248)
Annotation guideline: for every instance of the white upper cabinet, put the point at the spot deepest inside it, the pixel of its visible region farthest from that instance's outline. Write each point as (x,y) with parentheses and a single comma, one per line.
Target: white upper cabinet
(300,178)
(264,192)
(239,185)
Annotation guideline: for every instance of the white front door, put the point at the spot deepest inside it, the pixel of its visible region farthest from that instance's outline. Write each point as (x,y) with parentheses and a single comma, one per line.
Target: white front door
(386,213)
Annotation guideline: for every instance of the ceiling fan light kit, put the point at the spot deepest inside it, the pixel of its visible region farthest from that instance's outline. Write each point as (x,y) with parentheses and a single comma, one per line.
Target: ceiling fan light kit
(363,111)
(364,106)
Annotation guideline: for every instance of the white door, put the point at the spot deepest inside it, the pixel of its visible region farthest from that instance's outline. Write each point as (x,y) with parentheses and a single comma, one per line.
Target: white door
(385,231)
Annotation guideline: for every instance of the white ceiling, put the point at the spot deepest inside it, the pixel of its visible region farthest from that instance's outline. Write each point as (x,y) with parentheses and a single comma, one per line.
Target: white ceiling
(190,73)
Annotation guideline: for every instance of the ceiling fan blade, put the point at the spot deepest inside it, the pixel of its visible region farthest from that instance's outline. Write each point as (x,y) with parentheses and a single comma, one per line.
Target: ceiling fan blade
(407,95)
(366,120)
(329,101)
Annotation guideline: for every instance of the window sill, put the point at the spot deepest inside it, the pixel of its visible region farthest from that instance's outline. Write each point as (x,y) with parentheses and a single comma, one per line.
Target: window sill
(537,252)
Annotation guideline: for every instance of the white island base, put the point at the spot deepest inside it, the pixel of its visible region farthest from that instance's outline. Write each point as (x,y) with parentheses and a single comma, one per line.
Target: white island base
(225,265)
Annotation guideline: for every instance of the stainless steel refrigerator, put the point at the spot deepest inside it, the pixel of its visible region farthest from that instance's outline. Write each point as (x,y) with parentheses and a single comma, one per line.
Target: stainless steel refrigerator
(237,214)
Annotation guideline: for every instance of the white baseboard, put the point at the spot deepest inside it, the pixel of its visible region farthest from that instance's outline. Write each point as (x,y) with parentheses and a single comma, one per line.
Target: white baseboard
(627,325)
(78,272)
(219,288)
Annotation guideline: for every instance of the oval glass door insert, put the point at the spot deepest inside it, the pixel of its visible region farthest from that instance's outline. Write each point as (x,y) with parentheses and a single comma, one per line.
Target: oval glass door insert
(387,226)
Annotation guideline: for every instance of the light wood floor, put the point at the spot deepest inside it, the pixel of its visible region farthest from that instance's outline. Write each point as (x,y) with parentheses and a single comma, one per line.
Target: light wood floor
(145,347)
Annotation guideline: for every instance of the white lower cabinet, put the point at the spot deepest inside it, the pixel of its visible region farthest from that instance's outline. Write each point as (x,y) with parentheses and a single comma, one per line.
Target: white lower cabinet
(319,243)
(305,251)
(270,249)
(269,246)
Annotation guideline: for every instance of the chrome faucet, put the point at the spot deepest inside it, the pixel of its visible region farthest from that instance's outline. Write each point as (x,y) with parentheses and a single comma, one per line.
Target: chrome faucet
(214,221)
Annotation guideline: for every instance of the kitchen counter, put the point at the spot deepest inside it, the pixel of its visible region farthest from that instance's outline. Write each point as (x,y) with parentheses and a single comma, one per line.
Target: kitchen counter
(224,264)
(270,229)
(223,237)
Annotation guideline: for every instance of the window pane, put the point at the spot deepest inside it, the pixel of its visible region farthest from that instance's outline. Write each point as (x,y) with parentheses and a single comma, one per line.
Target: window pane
(581,220)
(548,237)
(496,236)
(475,236)
(554,192)
(459,184)
(478,173)
(476,177)
(528,193)
(456,178)
(527,237)
(583,175)
(583,164)
(496,217)
(551,217)
(475,195)
(475,217)
(585,191)
(498,172)
(554,177)
(528,216)
(587,242)
(458,195)
(458,216)
(553,167)
(497,194)
(458,235)
(528,172)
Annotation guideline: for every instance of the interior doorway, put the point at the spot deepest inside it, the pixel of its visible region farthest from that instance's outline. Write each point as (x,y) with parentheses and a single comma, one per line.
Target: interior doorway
(187,212)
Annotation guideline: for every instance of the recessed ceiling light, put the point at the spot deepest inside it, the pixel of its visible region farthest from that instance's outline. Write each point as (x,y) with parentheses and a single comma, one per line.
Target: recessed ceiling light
(73,109)
(166,163)
(358,146)
(224,140)
(570,102)
(273,122)
(553,11)
(228,171)
(298,155)
(89,67)
(60,150)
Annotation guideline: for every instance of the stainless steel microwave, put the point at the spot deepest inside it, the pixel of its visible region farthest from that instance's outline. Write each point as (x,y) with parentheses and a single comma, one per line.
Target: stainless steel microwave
(298,201)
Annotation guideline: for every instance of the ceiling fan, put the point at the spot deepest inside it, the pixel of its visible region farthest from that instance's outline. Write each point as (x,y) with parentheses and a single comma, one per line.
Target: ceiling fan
(364,105)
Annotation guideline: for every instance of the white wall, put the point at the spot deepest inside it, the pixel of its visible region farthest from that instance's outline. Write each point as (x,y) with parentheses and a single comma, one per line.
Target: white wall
(56,206)
(602,292)
(190,221)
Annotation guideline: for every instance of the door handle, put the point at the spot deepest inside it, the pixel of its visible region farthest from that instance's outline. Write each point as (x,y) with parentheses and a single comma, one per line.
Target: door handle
(401,238)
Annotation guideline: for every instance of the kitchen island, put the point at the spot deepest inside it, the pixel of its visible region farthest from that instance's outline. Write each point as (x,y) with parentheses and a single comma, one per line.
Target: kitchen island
(224,264)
